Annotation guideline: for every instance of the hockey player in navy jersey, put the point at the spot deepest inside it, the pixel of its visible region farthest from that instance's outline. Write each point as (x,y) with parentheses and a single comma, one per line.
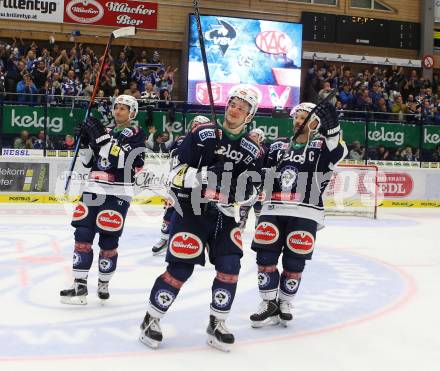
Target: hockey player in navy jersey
(293,209)
(213,160)
(161,246)
(114,156)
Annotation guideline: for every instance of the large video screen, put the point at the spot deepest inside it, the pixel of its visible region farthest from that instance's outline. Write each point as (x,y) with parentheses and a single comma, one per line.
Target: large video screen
(265,55)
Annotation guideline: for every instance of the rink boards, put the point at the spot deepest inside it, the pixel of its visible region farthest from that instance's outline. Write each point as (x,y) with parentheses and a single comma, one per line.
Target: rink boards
(41,180)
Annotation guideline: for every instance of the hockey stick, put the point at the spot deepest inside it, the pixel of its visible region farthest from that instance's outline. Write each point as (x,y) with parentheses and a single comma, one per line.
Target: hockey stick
(205,65)
(120,32)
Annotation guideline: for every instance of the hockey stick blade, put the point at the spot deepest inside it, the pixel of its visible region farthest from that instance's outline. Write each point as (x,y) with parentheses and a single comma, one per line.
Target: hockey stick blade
(124,32)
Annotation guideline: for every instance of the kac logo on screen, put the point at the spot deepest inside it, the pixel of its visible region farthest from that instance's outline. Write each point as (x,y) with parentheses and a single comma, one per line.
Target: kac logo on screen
(263,54)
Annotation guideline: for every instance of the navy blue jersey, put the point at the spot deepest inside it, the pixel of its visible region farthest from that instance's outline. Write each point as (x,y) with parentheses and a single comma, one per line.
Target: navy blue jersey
(200,145)
(302,174)
(200,149)
(108,163)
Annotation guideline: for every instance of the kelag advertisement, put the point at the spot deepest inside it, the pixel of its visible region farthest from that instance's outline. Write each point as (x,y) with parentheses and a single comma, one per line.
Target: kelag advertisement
(61,121)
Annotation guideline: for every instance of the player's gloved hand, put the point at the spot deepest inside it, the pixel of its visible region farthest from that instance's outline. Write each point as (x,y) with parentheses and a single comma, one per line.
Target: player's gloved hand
(79,132)
(217,170)
(329,120)
(96,132)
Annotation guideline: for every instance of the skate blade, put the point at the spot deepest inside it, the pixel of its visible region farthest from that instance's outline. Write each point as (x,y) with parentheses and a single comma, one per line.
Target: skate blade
(103,299)
(153,344)
(160,252)
(284,323)
(271,321)
(213,342)
(74,300)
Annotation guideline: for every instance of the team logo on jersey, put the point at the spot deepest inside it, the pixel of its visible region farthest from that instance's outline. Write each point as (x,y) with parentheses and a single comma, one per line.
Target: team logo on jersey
(289,176)
(236,237)
(263,279)
(221,298)
(186,245)
(164,299)
(110,220)
(300,242)
(266,233)
(105,265)
(291,286)
(206,133)
(249,146)
(103,163)
(81,211)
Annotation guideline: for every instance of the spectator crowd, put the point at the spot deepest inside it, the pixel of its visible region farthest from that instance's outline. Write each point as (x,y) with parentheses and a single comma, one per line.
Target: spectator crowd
(392,94)
(28,72)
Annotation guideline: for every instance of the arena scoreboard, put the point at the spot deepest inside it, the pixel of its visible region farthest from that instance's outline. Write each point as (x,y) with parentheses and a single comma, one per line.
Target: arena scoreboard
(322,27)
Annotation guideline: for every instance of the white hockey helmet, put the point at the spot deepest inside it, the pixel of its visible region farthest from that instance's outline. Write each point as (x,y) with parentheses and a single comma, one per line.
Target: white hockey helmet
(129,101)
(305,107)
(248,95)
(260,133)
(199,119)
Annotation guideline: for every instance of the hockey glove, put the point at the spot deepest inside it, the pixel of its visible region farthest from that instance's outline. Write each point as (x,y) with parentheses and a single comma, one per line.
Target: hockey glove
(96,132)
(329,120)
(79,132)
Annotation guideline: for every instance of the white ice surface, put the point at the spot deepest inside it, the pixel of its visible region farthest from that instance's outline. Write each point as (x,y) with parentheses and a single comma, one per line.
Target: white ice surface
(369,300)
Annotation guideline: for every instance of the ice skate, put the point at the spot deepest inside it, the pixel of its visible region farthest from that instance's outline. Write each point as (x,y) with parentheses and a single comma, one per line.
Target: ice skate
(151,333)
(77,294)
(160,247)
(219,336)
(285,312)
(267,314)
(103,293)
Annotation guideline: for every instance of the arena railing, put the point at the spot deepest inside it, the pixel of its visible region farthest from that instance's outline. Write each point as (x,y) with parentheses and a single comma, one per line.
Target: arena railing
(371,136)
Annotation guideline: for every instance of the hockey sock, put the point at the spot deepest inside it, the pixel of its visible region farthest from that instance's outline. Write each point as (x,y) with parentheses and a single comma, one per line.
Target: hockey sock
(268,281)
(223,293)
(289,285)
(107,264)
(165,290)
(82,259)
